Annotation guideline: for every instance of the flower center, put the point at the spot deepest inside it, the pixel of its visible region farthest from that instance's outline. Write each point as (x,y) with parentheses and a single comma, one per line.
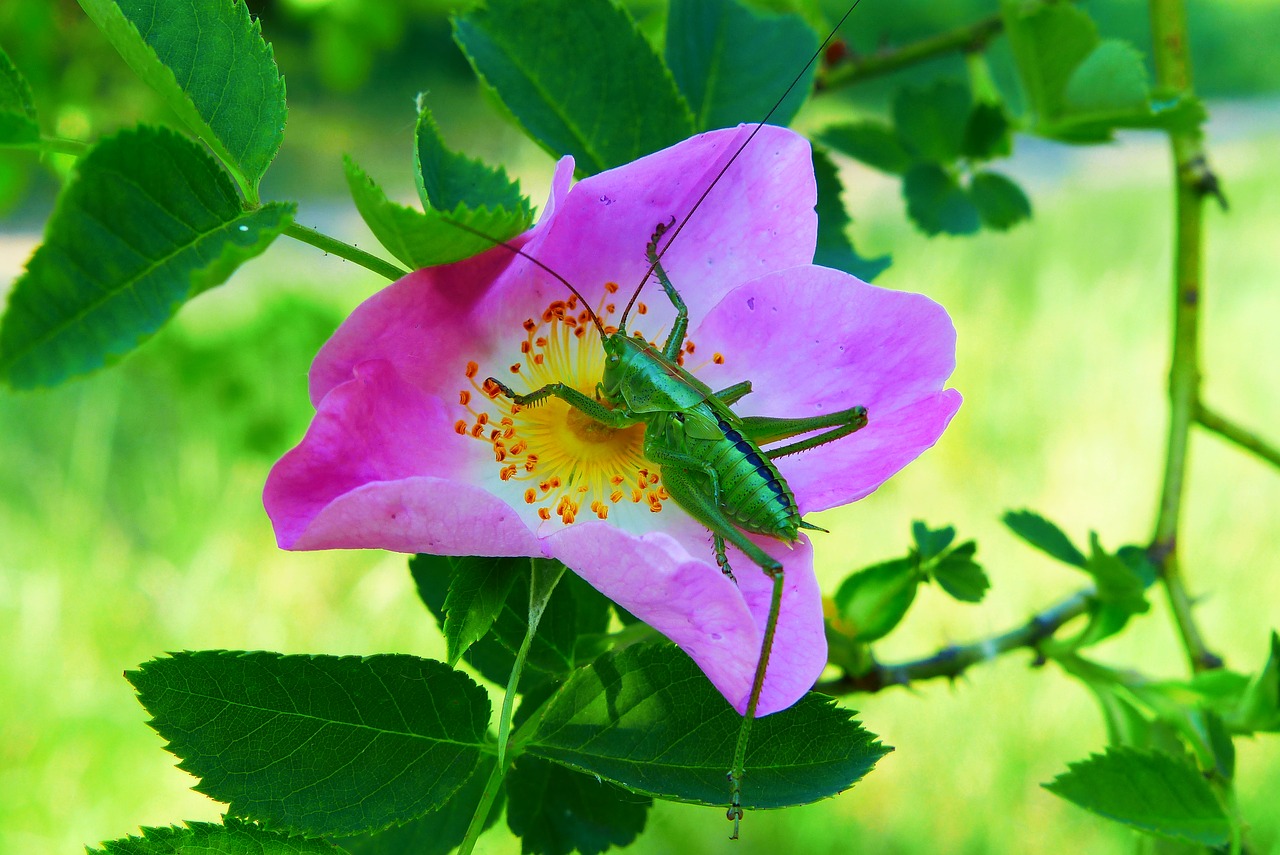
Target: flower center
(557,457)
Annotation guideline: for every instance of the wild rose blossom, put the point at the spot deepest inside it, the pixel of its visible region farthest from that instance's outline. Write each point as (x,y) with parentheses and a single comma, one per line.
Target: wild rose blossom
(407,452)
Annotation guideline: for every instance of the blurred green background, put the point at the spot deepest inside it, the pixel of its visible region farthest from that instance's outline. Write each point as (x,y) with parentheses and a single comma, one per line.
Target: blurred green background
(130,512)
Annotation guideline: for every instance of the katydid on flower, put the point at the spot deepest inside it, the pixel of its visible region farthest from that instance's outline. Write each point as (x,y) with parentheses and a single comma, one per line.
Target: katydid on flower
(622,461)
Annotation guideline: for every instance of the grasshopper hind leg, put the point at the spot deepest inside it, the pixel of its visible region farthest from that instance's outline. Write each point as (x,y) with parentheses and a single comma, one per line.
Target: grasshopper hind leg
(722,559)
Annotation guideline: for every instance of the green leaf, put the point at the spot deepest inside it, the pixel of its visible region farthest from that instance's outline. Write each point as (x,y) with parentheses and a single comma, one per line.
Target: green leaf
(1117,582)
(1048,40)
(937,203)
(1043,535)
(834,248)
(323,745)
(235,837)
(1110,81)
(17,111)
(1001,204)
(1147,790)
(931,122)
(646,718)
(447,179)
(872,601)
(427,239)
(931,542)
(1259,708)
(873,143)
(576,610)
(986,133)
(733,64)
(477,594)
(960,576)
(555,810)
(440,831)
(578,76)
(148,222)
(209,63)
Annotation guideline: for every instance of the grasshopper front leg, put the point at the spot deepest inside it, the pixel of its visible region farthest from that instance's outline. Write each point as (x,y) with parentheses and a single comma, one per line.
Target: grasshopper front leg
(675,339)
(572,397)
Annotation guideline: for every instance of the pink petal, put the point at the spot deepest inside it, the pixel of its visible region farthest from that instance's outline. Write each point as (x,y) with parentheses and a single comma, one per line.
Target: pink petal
(812,341)
(759,217)
(381,467)
(719,624)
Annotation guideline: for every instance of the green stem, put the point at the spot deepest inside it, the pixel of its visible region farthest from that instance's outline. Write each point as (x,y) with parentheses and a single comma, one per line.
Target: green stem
(969,38)
(1173,75)
(951,662)
(58,145)
(545,576)
(1231,431)
(344,250)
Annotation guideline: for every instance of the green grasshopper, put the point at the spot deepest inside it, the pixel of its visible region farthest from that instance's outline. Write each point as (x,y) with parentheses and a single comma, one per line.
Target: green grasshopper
(711,459)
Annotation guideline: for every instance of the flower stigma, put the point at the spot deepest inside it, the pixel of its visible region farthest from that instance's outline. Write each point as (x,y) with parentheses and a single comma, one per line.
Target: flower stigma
(556,458)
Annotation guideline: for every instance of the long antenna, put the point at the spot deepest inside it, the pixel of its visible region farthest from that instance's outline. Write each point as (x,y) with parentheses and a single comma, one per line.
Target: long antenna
(520,252)
(680,226)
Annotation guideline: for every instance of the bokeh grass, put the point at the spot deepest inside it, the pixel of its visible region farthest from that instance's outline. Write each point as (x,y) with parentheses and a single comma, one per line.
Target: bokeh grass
(131,523)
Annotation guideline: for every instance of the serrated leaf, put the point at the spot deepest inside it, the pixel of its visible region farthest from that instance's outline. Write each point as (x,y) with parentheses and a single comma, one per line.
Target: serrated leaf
(834,249)
(447,179)
(648,719)
(1259,708)
(555,810)
(1117,582)
(578,76)
(477,593)
(1001,203)
(931,122)
(1043,535)
(235,837)
(937,203)
(872,601)
(427,239)
(931,542)
(733,64)
(576,610)
(440,831)
(148,222)
(986,133)
(1147,790)
(17,111)
(1110,81)
(322,745)
(1048,40)
(960,576)
(873,143)
(209,63)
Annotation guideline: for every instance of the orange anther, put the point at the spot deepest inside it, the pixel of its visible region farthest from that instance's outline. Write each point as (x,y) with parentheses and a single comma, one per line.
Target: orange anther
(472,368)
(555,480)
(717,358)
(477,431)
(530,325)
(525,346)
(616,480)
(641,309)
(507,420)
(540,341)
(544,513)
(508,432)
(464,397)
(637,495)
(460,426)
(582,489)
(579,331)
(610,308)
(603,512)
(506,472)
(482,419)
(545,486)
(611,287)
(519,447)
(515,408)
(531,495)
(689,346)
(515,369)
(538,359)
(530,464)
(532,458)
(615,496)
(499,455)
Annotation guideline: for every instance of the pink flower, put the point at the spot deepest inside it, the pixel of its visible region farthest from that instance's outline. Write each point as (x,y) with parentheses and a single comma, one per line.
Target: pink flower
(408,453)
